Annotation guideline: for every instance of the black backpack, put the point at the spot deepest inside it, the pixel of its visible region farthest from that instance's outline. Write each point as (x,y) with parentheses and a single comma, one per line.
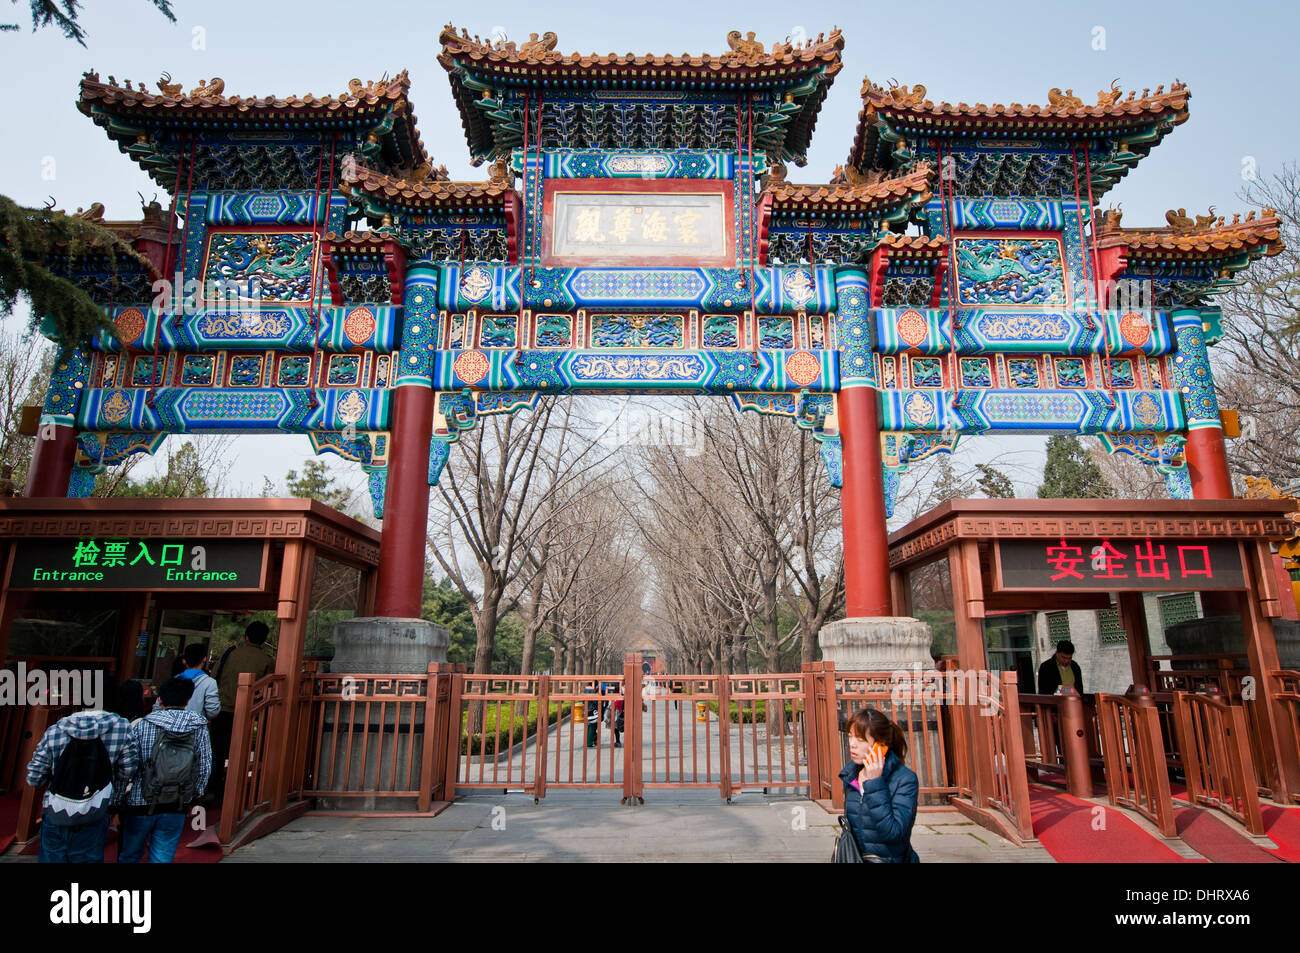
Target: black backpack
(170,774)
(82,770)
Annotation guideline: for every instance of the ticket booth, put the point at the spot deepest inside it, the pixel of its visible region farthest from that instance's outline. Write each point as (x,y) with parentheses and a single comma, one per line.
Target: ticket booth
(992,559)
(122,586)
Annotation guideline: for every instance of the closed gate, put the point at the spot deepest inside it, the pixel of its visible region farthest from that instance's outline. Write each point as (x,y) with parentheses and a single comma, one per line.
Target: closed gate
(402,742)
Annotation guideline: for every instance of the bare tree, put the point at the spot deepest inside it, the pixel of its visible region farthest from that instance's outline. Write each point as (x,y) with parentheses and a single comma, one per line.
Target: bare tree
(25,364)
(739,534)
(1132,479)
(494,493)
(1257,364)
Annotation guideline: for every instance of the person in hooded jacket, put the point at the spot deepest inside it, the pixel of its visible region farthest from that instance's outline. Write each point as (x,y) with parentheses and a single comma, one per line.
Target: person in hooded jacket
(77,831)
(880,791)
(161,824)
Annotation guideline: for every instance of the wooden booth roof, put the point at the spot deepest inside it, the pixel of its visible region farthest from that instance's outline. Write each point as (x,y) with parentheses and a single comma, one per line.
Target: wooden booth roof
(337,535)
(928,536)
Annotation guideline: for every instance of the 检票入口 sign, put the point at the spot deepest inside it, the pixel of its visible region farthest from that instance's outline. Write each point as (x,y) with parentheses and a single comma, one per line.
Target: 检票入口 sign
(154,564)
(1107,565)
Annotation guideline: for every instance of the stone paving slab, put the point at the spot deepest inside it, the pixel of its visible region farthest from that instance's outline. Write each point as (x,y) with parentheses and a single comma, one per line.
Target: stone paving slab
(672,827)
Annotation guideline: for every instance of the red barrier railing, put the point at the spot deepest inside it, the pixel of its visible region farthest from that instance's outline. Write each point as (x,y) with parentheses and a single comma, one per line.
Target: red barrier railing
(579,749)
(765,751)
(1057,732)
(1286,684)
(928,733)
(1217,764)
(999,717)
(1137,774)
(376,737)
(250,773)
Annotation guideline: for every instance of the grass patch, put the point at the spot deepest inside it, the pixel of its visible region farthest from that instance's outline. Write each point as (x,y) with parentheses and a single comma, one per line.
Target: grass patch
(753,711)
(505,724)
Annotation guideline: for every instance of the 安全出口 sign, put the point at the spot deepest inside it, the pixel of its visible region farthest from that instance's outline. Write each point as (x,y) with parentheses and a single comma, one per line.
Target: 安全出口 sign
(1108,565)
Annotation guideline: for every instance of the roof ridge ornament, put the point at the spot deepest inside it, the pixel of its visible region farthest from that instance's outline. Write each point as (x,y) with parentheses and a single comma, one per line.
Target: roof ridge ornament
(206,90)
(547,43)
(167,86)
(744,46)
(904,96)
(1057,98)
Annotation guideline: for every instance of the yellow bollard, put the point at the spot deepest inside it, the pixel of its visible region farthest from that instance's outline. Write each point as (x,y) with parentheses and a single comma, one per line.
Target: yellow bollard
(701,711)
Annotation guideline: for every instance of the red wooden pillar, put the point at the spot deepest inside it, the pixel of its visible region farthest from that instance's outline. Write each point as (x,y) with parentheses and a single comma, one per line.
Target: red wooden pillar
(1207,461)
(400,588)
(862,497)
(862,492)
(1207,464)
(52,459)
(399,591)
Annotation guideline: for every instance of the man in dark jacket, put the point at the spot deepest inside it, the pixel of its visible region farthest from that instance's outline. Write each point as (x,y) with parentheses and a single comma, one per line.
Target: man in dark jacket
(246,657)
(1060,669)
(882,810)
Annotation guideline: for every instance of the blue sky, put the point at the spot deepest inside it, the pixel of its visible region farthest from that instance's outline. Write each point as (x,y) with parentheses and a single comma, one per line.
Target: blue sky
(1232,56)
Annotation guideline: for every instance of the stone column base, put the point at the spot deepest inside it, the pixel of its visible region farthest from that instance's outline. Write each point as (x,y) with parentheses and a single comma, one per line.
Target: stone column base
(388,646)
(377,646)
(877,644)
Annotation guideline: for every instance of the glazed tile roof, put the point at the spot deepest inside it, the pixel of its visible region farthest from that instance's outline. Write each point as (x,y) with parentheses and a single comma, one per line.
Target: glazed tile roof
(745,57)
(433,192)
(902,107)
(209,96)
(917,246)
(873,193)
(152,227)
(1202,237)
(131,113)
(488,80)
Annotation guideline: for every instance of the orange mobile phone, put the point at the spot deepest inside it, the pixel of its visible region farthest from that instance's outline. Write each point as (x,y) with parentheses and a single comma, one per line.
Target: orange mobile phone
(879,749)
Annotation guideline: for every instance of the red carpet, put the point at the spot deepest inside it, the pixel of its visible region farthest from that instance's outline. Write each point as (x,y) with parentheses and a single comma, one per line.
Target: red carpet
(185,854)
(1211,837)
(1064,826)
(1283,826)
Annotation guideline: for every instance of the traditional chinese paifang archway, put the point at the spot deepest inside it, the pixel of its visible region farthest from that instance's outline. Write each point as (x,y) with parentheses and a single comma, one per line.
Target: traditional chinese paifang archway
(637,234)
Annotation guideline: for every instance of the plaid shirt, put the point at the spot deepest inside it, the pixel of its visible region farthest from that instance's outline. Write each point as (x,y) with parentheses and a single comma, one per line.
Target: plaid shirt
(113,729)
(145,734)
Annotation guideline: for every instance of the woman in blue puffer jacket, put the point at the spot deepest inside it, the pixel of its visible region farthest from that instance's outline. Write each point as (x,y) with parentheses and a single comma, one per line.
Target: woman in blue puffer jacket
(879,790)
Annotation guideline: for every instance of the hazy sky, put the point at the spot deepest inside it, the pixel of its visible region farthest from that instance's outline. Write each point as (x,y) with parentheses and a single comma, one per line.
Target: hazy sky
(1233,56)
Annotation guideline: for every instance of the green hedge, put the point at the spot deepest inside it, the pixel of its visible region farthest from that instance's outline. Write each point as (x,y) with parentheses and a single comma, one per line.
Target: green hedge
(754,711)
(523,727)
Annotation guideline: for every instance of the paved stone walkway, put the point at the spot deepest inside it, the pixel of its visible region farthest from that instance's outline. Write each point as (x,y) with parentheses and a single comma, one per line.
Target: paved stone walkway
(672,826)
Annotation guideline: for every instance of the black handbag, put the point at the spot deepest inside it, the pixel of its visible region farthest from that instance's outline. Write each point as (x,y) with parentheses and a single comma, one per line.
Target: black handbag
(846,849)
(846,845)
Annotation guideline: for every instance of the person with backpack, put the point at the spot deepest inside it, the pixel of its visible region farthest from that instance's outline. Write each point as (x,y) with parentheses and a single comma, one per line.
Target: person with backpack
(206,700)
(82,761)
(244,657)
(175,762)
